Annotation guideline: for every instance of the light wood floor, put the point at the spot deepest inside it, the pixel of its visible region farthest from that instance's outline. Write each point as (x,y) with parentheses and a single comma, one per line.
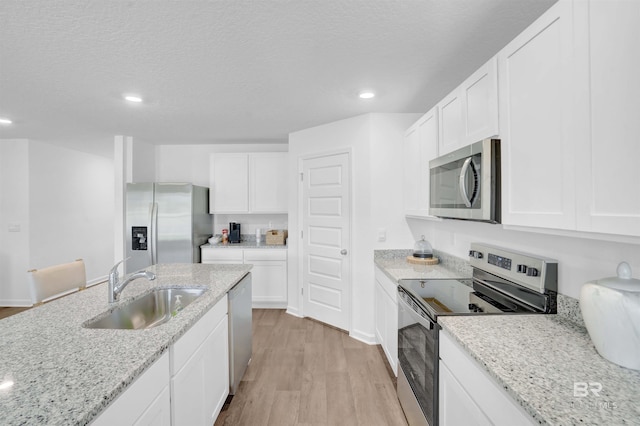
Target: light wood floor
(8,311)
(306,373)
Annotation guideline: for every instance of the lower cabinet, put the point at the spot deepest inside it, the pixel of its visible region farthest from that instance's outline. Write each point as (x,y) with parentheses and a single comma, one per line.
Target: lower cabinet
(468,395)
(145,402)
(200,369)
(268,275)
(186,386)
(386,312)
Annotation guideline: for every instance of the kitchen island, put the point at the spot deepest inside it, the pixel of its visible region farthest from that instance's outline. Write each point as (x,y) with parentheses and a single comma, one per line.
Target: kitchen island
(63,373)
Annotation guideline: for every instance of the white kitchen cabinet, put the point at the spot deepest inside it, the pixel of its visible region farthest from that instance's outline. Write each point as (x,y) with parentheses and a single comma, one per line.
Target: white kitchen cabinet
(269,272)
(386,323)
(268,182)
(200,369)
(229,183)
(248,182)
(537,85)
(468,395)
(420,145)
(221,256)
(470,112)
(450,123)
(480,103)
(145,402)
(269,283)
(608,198)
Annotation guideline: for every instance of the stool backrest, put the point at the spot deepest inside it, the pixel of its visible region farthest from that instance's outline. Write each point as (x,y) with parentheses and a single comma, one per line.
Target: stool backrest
(55,281)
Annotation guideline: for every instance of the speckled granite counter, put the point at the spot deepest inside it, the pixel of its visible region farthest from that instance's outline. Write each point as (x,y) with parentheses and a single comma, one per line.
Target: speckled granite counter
(244,245)
(67,374)
(535,358)
(394,264)
(538,358)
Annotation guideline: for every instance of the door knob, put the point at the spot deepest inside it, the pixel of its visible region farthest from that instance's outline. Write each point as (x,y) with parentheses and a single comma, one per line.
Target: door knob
(343,252)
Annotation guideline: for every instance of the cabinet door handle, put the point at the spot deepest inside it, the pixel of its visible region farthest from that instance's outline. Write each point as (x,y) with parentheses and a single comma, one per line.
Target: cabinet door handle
(343,252)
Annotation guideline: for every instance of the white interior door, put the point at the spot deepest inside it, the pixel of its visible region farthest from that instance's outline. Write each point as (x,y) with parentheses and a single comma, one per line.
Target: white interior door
(326,223)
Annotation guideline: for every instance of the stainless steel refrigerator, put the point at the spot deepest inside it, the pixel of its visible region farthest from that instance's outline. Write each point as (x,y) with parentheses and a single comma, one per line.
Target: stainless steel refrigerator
(165,223)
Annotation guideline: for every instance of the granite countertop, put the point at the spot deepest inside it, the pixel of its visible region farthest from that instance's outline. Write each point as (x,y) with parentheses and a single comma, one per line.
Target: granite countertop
(245,245)
(537,359)
(66,374)
(394,264)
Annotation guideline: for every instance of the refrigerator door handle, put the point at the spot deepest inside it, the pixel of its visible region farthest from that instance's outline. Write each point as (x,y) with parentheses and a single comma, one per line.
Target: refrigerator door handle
(151,233)
(154,234)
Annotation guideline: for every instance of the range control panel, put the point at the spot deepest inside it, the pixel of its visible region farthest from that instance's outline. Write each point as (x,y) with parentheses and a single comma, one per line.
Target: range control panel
(534,272)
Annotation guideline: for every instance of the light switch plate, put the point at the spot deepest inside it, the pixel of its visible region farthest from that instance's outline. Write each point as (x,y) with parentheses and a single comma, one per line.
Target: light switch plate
(14,227)
(382,234)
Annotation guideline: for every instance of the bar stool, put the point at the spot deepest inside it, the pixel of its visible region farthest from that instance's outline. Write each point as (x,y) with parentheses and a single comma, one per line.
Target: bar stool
(56,281)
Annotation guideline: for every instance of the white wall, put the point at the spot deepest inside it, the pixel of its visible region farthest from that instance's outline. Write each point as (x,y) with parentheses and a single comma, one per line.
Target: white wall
(62,201)
(14,211)
(369,138)
(580,259)
(71,216)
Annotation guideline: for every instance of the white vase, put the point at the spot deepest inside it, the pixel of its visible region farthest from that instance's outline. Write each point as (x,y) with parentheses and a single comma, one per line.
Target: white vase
(611,311)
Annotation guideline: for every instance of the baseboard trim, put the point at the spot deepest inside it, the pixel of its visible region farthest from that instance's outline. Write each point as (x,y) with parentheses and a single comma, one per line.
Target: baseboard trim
(369,339)
(294,312)
(268,305)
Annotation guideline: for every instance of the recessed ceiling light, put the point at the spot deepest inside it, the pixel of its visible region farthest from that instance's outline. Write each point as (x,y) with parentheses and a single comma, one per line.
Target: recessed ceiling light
(6,385)
(367,94)
(5,121)
(133,98)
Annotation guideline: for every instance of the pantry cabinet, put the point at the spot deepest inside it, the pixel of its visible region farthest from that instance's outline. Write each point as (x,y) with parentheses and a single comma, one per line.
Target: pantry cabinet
(420,145)
(466,391)
(537,123)
(386,323)
(269,272)
(248,182)
(470,112)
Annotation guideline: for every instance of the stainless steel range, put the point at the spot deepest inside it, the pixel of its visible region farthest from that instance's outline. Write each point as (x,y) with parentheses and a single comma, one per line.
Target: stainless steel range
(504,282)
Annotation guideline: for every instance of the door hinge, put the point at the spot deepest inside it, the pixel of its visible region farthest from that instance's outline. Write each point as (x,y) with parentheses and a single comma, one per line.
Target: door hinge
(301,177)
(302,291)
(301,234)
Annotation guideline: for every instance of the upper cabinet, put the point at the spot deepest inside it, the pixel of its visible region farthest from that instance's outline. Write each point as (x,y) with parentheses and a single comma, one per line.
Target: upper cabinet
(538,138)
(470,112)
(569,98)
(420,146)
(608,153)
(248,182)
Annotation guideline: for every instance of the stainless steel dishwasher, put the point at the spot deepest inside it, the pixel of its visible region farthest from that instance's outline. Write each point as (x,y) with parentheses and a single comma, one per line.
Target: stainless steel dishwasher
(240,344)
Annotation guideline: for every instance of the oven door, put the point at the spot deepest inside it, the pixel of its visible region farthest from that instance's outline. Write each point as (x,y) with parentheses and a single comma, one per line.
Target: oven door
(418,362)
(464,184)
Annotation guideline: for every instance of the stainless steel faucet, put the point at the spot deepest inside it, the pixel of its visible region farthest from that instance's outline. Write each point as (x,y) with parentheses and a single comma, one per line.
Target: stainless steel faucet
(116,287)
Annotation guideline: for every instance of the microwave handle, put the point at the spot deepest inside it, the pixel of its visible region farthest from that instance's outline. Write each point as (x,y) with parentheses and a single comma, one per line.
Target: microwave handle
(462,184)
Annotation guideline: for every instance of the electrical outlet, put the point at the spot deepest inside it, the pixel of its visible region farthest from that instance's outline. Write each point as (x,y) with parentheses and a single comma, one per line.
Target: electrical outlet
(14,227)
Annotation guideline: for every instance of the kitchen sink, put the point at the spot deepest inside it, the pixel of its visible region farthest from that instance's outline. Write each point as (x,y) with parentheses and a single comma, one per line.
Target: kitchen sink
(151,310)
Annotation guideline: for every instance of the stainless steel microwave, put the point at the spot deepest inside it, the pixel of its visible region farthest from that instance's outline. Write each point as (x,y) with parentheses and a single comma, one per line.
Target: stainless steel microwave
(465,184)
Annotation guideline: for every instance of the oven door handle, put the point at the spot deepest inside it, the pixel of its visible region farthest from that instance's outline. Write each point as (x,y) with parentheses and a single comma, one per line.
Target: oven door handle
(462,184)
(426,323)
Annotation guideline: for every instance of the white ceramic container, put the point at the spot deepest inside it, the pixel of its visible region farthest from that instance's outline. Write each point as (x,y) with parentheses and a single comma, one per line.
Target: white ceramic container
(611,311)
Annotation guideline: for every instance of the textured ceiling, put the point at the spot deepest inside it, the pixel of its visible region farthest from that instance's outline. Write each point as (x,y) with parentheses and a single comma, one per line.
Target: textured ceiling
(213,71)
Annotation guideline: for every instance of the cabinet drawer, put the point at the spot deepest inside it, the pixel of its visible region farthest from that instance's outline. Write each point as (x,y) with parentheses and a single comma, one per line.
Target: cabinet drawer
(212,254)
(189,342)
(266,254)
